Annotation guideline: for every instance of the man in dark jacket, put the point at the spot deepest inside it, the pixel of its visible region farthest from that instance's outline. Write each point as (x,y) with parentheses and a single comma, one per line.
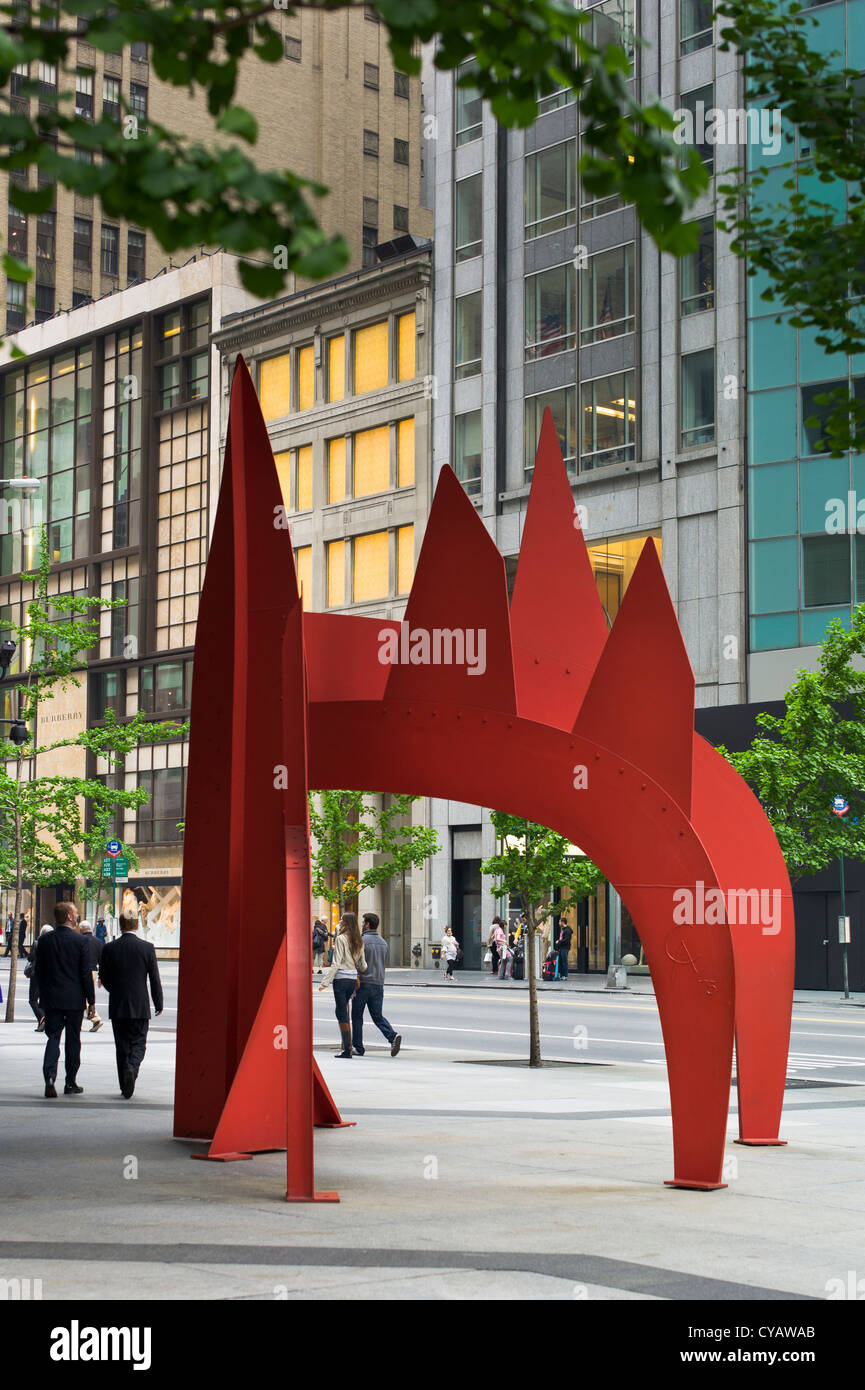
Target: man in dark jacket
(94,947)
(127,964)
(65,987)
(370,993)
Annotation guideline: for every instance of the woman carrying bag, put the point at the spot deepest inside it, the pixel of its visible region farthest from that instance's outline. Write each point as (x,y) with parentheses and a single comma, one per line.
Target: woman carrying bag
(345,970)
(450,950)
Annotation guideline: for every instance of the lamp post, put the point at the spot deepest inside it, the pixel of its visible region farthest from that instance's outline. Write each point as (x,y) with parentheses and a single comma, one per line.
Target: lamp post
(840,808)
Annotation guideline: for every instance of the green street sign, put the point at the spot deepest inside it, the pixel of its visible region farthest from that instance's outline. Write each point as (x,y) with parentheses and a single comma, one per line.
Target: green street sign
(118,867)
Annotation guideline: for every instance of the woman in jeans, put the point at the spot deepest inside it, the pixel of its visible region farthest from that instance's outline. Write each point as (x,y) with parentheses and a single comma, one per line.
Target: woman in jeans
(449,949)
(348,963)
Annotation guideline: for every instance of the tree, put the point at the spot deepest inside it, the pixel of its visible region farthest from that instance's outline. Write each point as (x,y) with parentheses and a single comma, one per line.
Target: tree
(188,194)
(800,760)
(531,863)
(347,824)
(53,828)
(782,218)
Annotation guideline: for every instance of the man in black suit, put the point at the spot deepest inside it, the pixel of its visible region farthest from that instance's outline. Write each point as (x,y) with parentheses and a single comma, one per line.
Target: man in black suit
(65,987)
(127,964)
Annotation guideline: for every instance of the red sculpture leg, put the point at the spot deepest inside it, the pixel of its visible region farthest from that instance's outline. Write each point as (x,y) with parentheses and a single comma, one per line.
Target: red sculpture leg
(752,872)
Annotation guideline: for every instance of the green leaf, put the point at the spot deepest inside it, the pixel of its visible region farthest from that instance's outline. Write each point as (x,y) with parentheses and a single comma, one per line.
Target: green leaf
(236,120)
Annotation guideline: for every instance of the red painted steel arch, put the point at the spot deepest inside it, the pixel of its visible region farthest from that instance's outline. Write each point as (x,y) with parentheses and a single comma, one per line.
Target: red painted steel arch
(305,700)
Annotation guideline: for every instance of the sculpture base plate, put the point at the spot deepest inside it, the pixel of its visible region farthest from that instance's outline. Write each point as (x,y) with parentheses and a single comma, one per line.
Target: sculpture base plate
(697,1186)
(762,1143)
(317,1197)
(221,1158)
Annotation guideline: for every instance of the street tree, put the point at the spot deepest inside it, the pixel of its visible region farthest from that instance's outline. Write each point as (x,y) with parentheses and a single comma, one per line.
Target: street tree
(346,824)
(532,862)
(189,193)
(54,825)
(785,212)
(798,761)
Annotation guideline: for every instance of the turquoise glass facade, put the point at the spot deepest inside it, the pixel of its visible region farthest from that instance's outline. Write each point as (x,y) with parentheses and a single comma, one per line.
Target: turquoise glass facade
(801,575)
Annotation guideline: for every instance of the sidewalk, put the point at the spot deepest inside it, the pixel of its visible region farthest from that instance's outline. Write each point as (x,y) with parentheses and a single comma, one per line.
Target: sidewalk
(586,984)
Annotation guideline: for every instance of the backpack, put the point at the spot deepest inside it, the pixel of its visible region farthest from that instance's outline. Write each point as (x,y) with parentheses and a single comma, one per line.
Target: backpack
(319,936)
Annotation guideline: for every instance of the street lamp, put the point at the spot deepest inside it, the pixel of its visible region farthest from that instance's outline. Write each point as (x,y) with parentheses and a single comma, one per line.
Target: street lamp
(27,487)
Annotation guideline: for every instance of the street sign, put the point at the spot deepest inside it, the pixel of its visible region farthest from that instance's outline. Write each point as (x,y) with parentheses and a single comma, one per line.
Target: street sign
(118,867)
(840,806)
(113,847)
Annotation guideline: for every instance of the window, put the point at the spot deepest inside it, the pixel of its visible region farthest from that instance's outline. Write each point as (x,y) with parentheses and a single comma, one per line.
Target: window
(400,151)
(370,143)
(405,341)
(110,250)
(82,243)
(335,574)
(698,398)
(305,378)
(336,489)
(563,404)
(165,687)
(274,383)
(83,156)
(370,242)
(468,217)
(111,98)
(609,412)
(370,211)
(108,692)
(16,300)
(550,311)
(20,75)
(84,94)
(401,85)
(17,232)
(79,298)
(135,251)
(612,22)
(197,376)
(608,295)
(303,565)
(400,218)
(371,357)
(817,411)
(692,125)
(138,51)
(183,370)
(370,76)
(138,103)
(46,74)
(467,451)
(404,559)
(370,567)
(336,368)
(292,48)
(46,225)
(158,818)
(371,461)
(469,105)
(304,478)
(468,329)
(44,302)
(695,24)
(405,453)
(550,183)
(826,569)
(698,271)
(124,620)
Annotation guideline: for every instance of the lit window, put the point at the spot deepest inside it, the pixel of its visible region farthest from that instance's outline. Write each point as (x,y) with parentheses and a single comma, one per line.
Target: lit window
(335,574)
(371,461)
(283,473)
(336,469)
(405,453)
(305,378)
(303,565)
(406,347)
(336,368)
(274,384)
(609,420)
(608,295)
(371,358)
(370,567)
(404,559)
(304,478)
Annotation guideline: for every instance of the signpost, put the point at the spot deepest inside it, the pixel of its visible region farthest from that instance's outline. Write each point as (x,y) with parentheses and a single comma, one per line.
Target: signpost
(115,867)
(840,808)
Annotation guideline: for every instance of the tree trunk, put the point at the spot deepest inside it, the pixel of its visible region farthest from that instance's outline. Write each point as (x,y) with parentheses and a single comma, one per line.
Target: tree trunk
(534,1023)
(13,959)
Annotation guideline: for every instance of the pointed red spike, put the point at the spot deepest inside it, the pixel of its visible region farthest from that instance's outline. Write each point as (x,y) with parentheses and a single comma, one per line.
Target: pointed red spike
(558,626)
(640,704)
(459,589)
(262,494)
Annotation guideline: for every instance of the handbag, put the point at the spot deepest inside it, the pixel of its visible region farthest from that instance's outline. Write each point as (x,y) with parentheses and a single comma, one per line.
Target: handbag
(488,957)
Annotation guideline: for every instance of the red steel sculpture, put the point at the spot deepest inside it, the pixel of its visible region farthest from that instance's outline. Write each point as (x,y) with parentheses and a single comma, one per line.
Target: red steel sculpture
(583,730)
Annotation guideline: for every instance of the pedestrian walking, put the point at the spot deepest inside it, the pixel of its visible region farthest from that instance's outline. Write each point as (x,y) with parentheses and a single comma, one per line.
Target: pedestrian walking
(125,968)
(65,987)
(94,948)
(10,923)
(370,990)
(22,936)
(450,948)
(101,930)
(497,942)
(319,944)
(30,973)
(348,963)
(564,949)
